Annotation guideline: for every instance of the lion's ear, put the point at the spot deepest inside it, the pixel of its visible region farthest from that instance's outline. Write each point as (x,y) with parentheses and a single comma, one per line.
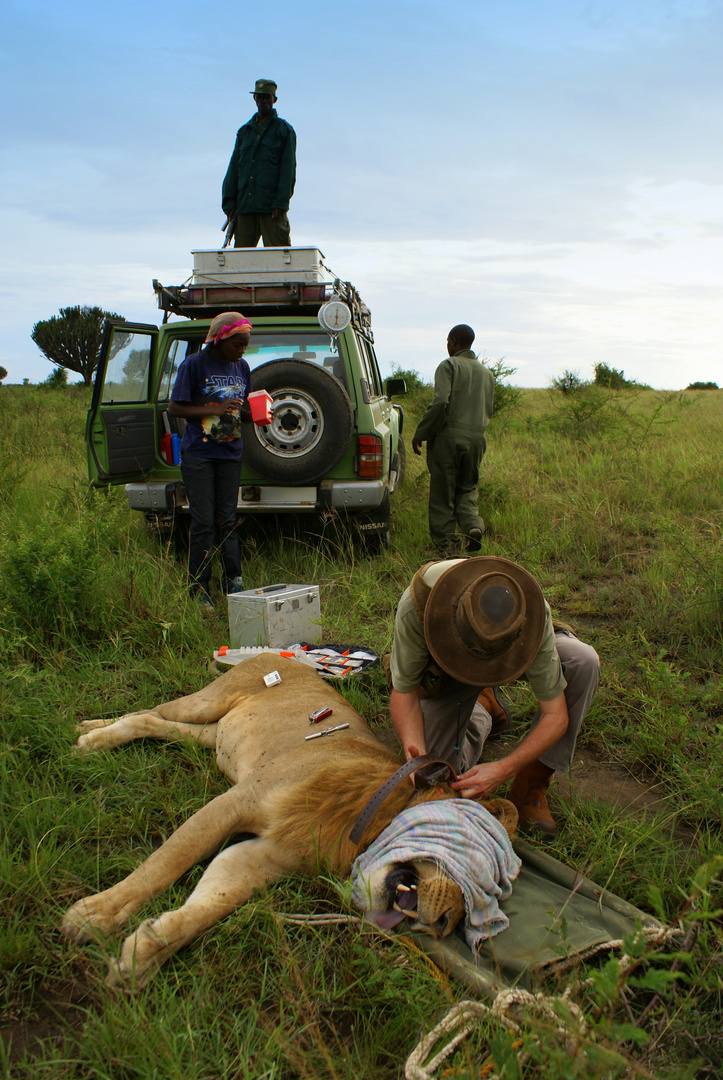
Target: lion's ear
(505,812)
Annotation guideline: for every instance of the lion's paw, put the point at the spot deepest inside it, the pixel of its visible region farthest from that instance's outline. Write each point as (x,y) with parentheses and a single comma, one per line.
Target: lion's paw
(141,957)
(102,738)
(120,979)
(88,920)
(90,742)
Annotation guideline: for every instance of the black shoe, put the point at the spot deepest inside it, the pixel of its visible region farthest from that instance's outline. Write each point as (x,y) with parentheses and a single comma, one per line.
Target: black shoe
(204,600)
(474,540)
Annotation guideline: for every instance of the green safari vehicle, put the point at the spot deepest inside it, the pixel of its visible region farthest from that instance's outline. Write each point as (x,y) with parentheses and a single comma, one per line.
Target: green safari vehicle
(334,445)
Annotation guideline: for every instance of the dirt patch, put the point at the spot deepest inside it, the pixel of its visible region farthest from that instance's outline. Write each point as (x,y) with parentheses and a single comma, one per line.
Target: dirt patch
(54,1024)
(592,777)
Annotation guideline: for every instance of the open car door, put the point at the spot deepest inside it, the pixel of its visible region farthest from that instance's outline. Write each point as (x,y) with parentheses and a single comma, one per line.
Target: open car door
(120,429)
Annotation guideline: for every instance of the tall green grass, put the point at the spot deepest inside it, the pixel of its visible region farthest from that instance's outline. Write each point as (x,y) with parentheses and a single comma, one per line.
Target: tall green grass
(619,514)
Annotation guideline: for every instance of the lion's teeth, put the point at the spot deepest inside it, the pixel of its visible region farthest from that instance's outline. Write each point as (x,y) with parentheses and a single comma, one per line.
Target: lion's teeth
(403,888)
(413,887)
(410,914)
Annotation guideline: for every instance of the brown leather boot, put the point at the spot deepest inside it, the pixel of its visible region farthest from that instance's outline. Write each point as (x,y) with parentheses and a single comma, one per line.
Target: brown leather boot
(529,794)
(500,713)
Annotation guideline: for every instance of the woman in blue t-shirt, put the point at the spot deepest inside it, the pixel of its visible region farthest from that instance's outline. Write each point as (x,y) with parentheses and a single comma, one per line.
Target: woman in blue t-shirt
(210,394)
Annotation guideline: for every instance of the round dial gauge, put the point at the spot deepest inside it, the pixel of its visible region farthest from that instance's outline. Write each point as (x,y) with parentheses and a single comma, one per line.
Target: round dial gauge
(334,316)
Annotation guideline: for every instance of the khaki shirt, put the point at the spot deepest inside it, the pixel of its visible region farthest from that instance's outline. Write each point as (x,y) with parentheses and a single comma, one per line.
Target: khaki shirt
(464,391)
(410,655)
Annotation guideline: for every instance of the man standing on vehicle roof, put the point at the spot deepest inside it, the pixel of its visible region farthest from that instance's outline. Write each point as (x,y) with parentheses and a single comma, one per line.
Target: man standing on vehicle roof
(210,393)
(261,175)
(463,627)
(453,427)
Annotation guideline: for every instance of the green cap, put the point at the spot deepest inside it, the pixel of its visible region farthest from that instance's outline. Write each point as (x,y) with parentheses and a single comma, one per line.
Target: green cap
(264,86)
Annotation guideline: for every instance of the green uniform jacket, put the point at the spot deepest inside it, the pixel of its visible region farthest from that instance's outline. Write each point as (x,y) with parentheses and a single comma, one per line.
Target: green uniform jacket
(464,392)
(262,171)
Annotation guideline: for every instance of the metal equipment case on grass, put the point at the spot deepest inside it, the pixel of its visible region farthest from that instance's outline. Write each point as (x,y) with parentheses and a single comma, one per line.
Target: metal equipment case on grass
(277,615)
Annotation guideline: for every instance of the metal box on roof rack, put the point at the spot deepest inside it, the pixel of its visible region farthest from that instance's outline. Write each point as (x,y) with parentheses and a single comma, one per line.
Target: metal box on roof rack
(256,266)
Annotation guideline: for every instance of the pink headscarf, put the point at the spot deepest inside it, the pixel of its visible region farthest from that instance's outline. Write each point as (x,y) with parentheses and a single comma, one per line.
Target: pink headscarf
(229,322)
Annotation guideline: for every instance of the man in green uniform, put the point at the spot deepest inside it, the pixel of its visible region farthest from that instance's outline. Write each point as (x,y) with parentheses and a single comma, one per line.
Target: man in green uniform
(261,175)
(453,427)
(465,625)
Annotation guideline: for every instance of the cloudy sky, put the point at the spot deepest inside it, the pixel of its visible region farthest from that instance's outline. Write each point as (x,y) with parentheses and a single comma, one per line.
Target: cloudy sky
(548,171)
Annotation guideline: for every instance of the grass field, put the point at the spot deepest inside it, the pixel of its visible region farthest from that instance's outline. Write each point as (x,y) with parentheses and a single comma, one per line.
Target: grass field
(614,500)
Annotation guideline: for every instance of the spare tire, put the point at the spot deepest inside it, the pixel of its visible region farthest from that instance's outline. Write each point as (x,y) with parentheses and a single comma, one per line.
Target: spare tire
(312,424)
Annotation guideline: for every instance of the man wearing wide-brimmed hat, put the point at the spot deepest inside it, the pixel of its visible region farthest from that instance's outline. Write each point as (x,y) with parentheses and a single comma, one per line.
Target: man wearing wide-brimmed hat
(261,175)
(464,626)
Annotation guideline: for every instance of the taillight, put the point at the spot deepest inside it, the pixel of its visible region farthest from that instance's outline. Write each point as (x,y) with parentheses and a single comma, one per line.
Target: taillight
(369,457)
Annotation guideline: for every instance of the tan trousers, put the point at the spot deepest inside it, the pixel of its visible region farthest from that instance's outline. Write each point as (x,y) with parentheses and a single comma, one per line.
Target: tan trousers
(454,732)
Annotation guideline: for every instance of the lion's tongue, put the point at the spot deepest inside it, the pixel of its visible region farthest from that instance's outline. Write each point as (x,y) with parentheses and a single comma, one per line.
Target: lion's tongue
(387,919)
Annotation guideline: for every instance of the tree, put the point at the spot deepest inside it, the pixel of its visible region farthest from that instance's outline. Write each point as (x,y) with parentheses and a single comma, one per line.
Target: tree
(3,374)
(72,339)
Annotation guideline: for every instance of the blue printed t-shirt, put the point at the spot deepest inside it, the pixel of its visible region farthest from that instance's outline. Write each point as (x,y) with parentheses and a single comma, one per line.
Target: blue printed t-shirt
(202,378)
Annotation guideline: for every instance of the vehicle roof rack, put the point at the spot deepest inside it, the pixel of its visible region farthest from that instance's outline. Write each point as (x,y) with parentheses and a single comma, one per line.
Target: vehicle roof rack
(205,300)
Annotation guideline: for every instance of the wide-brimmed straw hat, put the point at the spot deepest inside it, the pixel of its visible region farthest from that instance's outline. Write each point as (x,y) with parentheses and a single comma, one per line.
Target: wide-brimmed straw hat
(484,620)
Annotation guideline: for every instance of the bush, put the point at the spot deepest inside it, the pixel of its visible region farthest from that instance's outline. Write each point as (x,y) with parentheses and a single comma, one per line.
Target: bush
(55,578)
(613,379)
(584,415)
(57,379)
(702,386)
(568,383)
(506,396)
(413,379)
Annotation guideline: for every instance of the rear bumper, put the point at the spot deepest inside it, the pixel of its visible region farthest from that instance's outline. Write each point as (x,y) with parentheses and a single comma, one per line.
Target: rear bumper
(352,497)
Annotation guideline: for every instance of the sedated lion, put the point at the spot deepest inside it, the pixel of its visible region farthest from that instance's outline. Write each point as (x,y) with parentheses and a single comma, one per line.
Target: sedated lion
(298,798)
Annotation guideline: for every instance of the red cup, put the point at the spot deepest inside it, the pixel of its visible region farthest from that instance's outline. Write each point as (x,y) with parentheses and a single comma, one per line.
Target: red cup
(260,404)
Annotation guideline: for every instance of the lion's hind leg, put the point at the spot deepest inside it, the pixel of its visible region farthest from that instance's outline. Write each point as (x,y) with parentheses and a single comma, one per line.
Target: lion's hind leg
(228,882)
(106,734)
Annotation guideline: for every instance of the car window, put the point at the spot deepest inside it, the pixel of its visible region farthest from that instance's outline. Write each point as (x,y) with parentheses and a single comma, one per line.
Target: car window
(376,377)
(126,374)
(316,348)
(178,350)
(369,364)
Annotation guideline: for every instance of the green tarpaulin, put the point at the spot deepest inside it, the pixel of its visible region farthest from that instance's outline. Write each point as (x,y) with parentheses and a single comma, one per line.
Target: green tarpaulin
(555,914)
